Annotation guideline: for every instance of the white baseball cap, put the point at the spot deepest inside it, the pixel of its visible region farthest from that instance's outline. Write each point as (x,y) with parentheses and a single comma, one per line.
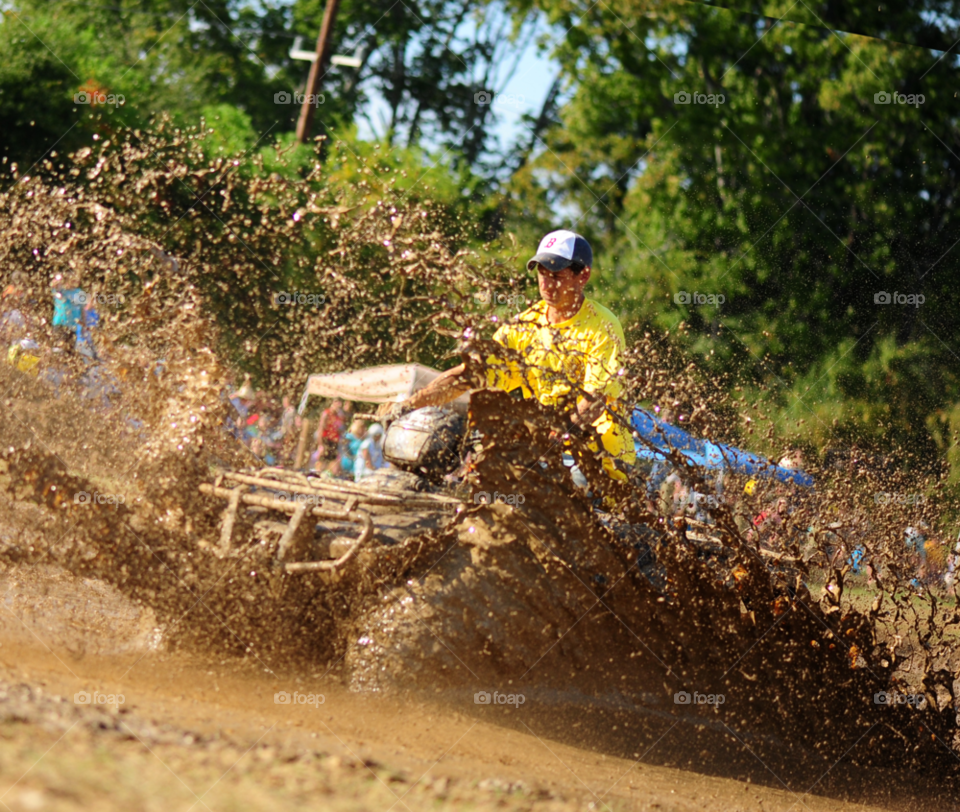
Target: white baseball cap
(561,249)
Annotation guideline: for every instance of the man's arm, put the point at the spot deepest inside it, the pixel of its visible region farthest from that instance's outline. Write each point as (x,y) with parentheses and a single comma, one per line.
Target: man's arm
(448,386)
(602,361)
(454,382)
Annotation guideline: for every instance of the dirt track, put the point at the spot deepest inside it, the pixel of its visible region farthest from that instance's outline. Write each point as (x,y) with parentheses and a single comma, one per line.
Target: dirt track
(216,723)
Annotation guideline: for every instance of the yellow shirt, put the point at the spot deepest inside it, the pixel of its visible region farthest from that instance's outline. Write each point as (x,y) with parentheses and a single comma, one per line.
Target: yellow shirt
(581,354)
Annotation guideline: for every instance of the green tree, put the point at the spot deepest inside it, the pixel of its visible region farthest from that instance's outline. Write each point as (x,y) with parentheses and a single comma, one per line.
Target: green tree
(428,60)
(152,57)
(797,197)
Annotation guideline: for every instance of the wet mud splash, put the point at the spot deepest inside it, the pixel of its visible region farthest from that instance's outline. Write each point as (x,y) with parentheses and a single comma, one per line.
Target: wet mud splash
(624,604)
(549,595)
(545,597)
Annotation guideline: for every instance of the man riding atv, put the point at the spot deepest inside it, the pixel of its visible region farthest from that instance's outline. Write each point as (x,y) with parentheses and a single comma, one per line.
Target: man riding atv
(564,351)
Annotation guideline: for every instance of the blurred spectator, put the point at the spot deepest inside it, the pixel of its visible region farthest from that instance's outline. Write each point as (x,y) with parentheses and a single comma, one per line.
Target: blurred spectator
(953,564)
(241,400)
(287,431)
(98,386)
(266,441)
(52,373)
(90,321)
(681,495)
(68,302)
(793,460)
(350,447)
(24,355)
(288,417)
(743,511)
(771,520)
(915,540)
(370,454)
(659,473)
(936,554)
(329,432)
(13,319)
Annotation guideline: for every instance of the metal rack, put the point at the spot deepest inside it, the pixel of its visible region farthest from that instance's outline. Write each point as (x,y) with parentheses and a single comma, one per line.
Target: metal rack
(298,495)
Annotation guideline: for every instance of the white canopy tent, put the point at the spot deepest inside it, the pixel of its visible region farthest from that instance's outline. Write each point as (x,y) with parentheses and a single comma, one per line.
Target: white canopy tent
(390,383)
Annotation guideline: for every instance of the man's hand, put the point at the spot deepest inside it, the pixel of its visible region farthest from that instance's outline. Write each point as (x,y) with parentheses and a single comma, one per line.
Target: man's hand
(388,412)
(589,408)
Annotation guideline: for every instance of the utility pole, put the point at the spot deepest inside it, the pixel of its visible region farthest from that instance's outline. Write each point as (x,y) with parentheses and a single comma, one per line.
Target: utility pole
(317,71)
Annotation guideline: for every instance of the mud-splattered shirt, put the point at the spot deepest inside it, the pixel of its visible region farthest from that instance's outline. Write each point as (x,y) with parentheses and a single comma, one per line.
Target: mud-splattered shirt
(581,354)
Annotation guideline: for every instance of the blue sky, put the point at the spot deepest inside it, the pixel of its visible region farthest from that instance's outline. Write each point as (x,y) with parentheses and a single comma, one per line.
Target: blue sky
(523,93)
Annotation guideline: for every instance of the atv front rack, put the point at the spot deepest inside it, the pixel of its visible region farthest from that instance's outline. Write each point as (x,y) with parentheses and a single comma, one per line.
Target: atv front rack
(298,496)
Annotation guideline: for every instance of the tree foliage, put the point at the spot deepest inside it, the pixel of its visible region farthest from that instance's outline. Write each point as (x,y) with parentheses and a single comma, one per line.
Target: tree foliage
(798,198)
(427,60)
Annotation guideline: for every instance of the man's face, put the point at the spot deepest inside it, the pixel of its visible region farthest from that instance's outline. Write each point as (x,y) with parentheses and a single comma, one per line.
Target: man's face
(562,289)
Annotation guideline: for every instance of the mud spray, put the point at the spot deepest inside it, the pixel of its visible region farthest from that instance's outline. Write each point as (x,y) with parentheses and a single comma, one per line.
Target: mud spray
(186,256)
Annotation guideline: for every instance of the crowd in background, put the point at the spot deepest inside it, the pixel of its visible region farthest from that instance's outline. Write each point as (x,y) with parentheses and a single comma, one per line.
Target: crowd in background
(343,446)
(269,428)
(347,446)
(68,349)
(64,350)
(779,517)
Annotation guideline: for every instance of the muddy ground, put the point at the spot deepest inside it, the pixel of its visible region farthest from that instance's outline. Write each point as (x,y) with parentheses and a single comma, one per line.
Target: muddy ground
(194,733)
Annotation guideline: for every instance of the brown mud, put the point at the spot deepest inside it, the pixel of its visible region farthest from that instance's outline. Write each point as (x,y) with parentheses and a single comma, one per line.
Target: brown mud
(541,599)
(189,726)
(601,620)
